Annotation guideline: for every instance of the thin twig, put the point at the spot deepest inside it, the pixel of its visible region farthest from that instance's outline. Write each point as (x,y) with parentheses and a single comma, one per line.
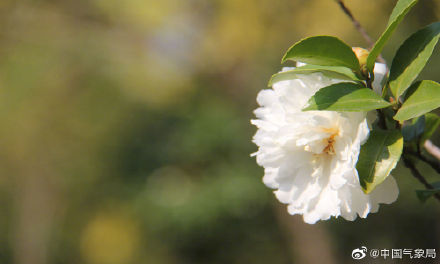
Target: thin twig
(356,23)
(435,165)
(415,172)
(359,28)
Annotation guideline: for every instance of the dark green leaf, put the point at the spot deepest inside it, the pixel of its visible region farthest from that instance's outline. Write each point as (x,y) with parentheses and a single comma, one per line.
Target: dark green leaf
(323,50)
(400,10)
(432,121)
(412,57)
(378,157)
(422,97)
(424,195)
(335,72)
(414,130)
(348,97)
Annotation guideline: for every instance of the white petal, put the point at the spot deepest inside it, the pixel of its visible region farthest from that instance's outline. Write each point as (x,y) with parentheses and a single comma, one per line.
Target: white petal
(310,157)
(380,70)
(269,177)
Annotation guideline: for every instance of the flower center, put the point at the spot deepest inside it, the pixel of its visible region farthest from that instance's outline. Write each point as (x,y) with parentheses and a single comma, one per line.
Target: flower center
(320,142)
(330,141)
(329,149)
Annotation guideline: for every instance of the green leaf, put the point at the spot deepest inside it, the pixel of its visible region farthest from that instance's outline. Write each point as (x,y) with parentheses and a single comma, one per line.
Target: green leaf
(412,57)
(432,121)
(423,126)
(424,195)
(400,10)
(323,50)
(423,97)
(414,130)
(348,97)
(335,72)
(378,157)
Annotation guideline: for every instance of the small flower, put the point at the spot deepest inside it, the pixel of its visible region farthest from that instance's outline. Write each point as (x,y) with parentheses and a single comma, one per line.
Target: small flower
(310,157)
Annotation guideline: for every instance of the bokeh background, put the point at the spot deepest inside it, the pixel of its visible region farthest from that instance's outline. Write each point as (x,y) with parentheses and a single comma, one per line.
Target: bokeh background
(125,134)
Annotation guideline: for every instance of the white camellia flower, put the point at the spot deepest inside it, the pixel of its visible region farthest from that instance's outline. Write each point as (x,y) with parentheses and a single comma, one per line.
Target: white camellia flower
(310,157)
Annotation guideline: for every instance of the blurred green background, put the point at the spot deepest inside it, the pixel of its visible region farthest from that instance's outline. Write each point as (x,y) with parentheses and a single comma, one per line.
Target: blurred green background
(126,137)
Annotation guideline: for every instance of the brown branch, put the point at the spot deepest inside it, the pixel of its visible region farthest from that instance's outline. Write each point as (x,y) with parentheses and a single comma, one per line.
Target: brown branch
(415,172)
(359,28)
(356,24)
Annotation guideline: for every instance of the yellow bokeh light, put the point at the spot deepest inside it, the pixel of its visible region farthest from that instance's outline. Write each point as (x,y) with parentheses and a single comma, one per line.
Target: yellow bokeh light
(139,13)
(110,239)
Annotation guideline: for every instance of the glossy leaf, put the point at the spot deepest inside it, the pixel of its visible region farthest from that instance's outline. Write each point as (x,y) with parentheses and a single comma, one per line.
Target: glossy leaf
(400,10)
(422,97)
(412,57)
(323,50)
(348,97)
(335,72)
(378,157)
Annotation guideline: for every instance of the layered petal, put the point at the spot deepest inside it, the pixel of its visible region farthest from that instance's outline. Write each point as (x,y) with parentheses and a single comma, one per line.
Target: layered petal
(310,157)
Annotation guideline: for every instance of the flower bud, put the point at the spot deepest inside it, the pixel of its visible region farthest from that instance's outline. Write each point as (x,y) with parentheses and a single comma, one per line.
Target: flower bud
(362,55)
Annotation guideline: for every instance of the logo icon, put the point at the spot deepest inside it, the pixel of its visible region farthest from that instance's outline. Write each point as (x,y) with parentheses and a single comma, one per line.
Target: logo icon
(359,253)
(374,253)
